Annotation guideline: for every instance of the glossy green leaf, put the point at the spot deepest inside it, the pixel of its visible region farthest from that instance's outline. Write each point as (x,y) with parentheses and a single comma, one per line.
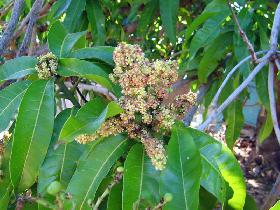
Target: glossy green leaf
(140,180)
(168,14)
(97,21)
(213,55)
(221,160)
(74,11)
(234,121)
(56,36)
(88,119)
(276,206)
(92,170)
(115,198)
(102,53)
(75,67)
(32,133)
(10,98)
(17,68)
(69,41)
(181,177)
(61,160)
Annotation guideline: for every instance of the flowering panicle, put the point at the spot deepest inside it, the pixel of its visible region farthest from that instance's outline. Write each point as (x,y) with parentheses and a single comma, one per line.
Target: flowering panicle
(144,85)
(110,127)
(46,66)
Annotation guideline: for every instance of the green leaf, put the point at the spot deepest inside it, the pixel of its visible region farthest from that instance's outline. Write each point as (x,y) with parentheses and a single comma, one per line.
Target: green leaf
(140,180)
(197,22)
(97,21)
(234,121)
(92,170)
(115,198)
(88,119)
(6,186)
(262,87)
(266,128)
(276,206)
(206,200)
(32,133)
(17,68)
(75,9)
(168,14)
(68,43)
(181,177)
(10,98)
(220,157)
(60,163)
(75,67)
(213,55)
(211,28)
(146,17)
(56,36)
(250,203)
(102,53)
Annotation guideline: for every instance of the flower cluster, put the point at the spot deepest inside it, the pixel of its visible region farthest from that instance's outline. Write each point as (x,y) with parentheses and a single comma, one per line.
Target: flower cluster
(145,86)
(46,66)
(110,127)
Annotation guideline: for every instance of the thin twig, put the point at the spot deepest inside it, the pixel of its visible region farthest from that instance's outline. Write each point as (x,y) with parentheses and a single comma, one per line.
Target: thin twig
(34,14)
(117,178)
(233,95)
(67,93)
(189,115)
(243,34)
(272,101)
(95,88)
(229,75)
(277,64)
(7,35)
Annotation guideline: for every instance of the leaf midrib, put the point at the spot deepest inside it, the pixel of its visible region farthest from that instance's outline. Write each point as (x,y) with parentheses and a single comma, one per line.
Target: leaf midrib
(12,101)
(98,172)
(33,132)
(182,172)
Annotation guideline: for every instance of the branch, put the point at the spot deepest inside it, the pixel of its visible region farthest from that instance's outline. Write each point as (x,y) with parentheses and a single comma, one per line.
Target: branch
(216,97)
(25,21)
(95,88)
(243,34)
(272,101)
(67,93)
(189,115)
(7,35)
(233,95)
(275,30)
(34,14)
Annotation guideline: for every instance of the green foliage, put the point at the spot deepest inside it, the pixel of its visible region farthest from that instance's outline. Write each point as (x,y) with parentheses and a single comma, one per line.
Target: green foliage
(17,68)
(42,155)
(181,177)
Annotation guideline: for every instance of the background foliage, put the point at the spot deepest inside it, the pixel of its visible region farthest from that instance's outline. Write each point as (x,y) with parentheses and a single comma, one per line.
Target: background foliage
(201,172)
